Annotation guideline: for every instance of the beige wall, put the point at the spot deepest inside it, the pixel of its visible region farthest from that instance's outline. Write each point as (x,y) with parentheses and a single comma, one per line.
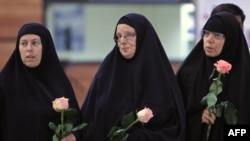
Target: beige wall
(13,14)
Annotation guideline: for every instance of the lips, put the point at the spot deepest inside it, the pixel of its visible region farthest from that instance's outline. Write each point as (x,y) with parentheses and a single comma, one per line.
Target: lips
(30,56)
(208,47)
(125,48)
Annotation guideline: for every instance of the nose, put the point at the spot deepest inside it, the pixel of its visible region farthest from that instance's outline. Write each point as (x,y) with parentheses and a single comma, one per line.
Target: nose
(123,39)
(29,47)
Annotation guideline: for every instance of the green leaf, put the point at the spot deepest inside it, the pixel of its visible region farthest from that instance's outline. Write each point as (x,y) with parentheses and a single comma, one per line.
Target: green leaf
(124,137)
(219,87)
(219,110)
(117,135)
(69,115)
(211,100)
(79,127)
(67,128)
(218,82)
(128,119)
(212,87)
(112,130)
(219,90)
(118,132)
(58,130)
(204,100)
(230,113)
(216,87)
(52,126)
(55,138)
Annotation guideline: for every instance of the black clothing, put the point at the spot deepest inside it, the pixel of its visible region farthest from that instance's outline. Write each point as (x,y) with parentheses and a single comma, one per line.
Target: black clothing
(124,85)
(26,94)
(193,78)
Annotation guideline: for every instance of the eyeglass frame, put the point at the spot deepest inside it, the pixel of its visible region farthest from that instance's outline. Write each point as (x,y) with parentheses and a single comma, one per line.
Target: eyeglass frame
(216,35)
(128,36)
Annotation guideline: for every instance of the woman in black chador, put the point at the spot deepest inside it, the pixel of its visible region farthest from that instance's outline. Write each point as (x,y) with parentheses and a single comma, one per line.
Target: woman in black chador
(135,74)
(222,39)
(31,79)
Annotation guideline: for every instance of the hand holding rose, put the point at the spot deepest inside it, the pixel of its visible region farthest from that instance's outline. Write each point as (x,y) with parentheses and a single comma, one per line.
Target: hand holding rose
(128,121)
(222,67)
(64,129)
(69,137)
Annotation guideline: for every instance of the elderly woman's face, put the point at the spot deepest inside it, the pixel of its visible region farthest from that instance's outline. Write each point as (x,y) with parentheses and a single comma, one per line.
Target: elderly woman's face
(30,48)
(213,43)
(126,40)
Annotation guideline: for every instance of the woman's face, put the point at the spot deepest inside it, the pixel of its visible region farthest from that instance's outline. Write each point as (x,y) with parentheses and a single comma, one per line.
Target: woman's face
(30,48)
(213,43)
(126,40)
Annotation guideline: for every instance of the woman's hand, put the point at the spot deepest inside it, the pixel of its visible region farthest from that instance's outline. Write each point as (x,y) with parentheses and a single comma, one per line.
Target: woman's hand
(208,117)
(69,137)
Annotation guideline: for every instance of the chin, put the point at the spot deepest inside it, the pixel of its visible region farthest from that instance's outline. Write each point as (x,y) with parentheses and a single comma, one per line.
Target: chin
(127,57)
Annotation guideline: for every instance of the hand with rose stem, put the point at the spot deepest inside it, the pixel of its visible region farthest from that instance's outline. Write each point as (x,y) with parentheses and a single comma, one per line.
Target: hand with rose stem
(143,116)
(63,131)
(69,137)
(208,117)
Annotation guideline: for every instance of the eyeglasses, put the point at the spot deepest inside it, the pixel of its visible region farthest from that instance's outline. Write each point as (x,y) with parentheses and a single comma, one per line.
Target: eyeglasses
(216,35)
(127,36)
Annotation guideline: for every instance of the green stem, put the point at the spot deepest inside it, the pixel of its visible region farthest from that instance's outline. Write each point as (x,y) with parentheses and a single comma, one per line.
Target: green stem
(131,125)
(219,76)
(62,122)
(211,108)
(217,81)
(208,131)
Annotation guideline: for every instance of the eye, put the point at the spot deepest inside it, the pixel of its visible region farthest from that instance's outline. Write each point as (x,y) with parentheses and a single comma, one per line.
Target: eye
(218,35)
(23,43)
(205,33)
(128,35)
(35,43)
(117,37)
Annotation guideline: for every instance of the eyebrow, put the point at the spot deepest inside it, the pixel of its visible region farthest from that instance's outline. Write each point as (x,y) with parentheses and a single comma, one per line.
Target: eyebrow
(30,39)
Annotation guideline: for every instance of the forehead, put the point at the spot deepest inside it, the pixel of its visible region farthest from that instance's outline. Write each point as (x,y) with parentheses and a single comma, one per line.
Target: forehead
(124,28)
(29,37)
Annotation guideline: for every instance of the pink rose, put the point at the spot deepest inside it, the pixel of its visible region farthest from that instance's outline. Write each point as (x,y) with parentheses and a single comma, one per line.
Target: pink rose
(145,115)
(223,66)
(60,104)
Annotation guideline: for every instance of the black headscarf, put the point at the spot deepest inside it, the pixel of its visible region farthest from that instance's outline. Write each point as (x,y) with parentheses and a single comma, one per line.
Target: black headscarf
(193,77)
(215,24)
(26,94)
(122,86)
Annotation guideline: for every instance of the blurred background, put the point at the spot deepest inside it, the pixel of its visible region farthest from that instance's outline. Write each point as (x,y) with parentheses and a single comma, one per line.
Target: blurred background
(83,29)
